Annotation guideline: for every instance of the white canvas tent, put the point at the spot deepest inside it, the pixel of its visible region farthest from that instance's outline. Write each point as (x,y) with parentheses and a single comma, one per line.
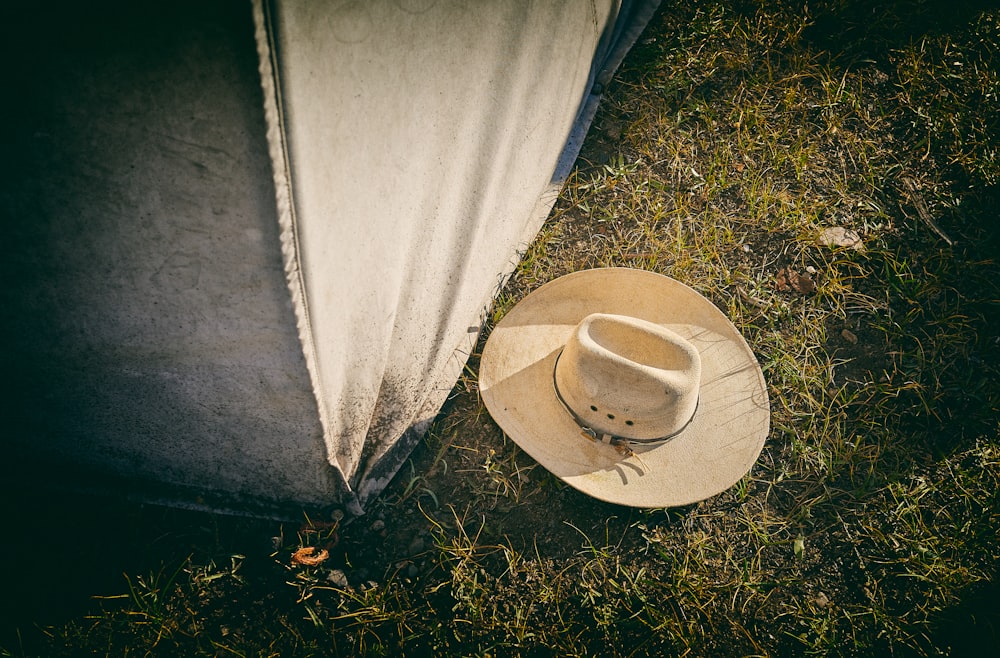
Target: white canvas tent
(248,248)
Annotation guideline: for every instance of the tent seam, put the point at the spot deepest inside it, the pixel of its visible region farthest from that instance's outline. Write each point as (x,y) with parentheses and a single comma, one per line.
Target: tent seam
(290,247)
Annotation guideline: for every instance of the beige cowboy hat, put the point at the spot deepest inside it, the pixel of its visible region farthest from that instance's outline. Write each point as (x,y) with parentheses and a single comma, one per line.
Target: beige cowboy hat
(628,385)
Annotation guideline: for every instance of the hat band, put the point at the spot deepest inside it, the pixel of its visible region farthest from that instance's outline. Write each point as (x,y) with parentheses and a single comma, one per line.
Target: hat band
(612,438)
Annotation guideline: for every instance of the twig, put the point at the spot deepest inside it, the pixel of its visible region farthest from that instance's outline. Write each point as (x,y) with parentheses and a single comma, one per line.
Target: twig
(750,299)
(910,186)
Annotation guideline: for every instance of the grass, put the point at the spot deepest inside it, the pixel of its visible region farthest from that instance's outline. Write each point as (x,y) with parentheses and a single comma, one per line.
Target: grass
(735,134)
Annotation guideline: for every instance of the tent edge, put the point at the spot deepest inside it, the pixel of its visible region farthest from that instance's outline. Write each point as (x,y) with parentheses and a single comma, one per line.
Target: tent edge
(290,251)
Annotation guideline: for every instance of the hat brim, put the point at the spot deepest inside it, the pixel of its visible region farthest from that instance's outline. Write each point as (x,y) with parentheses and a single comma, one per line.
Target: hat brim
(714,451)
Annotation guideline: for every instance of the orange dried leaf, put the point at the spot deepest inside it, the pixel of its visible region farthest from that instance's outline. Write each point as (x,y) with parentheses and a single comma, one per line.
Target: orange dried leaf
(308,556)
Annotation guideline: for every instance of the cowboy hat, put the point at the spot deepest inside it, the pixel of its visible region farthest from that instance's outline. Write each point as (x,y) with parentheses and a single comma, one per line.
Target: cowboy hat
(629,386)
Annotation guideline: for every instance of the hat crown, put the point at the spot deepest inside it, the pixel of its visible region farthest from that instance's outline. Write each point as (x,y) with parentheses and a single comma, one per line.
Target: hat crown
(628,377)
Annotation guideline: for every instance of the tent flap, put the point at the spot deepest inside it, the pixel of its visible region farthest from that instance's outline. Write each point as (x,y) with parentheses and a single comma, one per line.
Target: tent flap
(421,146)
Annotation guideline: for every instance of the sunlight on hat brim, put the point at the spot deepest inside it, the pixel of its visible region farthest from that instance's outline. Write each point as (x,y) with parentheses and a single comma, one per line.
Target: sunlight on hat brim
(716,449)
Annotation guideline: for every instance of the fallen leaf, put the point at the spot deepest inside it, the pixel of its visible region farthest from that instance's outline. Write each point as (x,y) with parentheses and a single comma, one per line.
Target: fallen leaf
(308,556)
(838,236)
(788,279)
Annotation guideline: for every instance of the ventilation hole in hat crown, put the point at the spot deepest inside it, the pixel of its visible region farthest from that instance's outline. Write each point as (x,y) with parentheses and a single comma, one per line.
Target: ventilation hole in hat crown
(629,422)
(593,408)
(611,416)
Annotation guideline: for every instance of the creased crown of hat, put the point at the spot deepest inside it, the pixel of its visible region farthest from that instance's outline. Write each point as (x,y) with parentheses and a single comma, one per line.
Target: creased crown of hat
(628,385)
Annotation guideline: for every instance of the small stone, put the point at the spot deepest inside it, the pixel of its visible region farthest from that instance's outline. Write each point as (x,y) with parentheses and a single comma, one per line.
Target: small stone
(416,546)
(821,600)
(613,129)
(838,236)
(849,336)
(337,577)
(337,515)
(412,571)
(378,526)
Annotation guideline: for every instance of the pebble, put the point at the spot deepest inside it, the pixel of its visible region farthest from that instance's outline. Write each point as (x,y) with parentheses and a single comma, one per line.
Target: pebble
(378,526)
(337,577)
(849,336)
(416,546)
(838,236)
